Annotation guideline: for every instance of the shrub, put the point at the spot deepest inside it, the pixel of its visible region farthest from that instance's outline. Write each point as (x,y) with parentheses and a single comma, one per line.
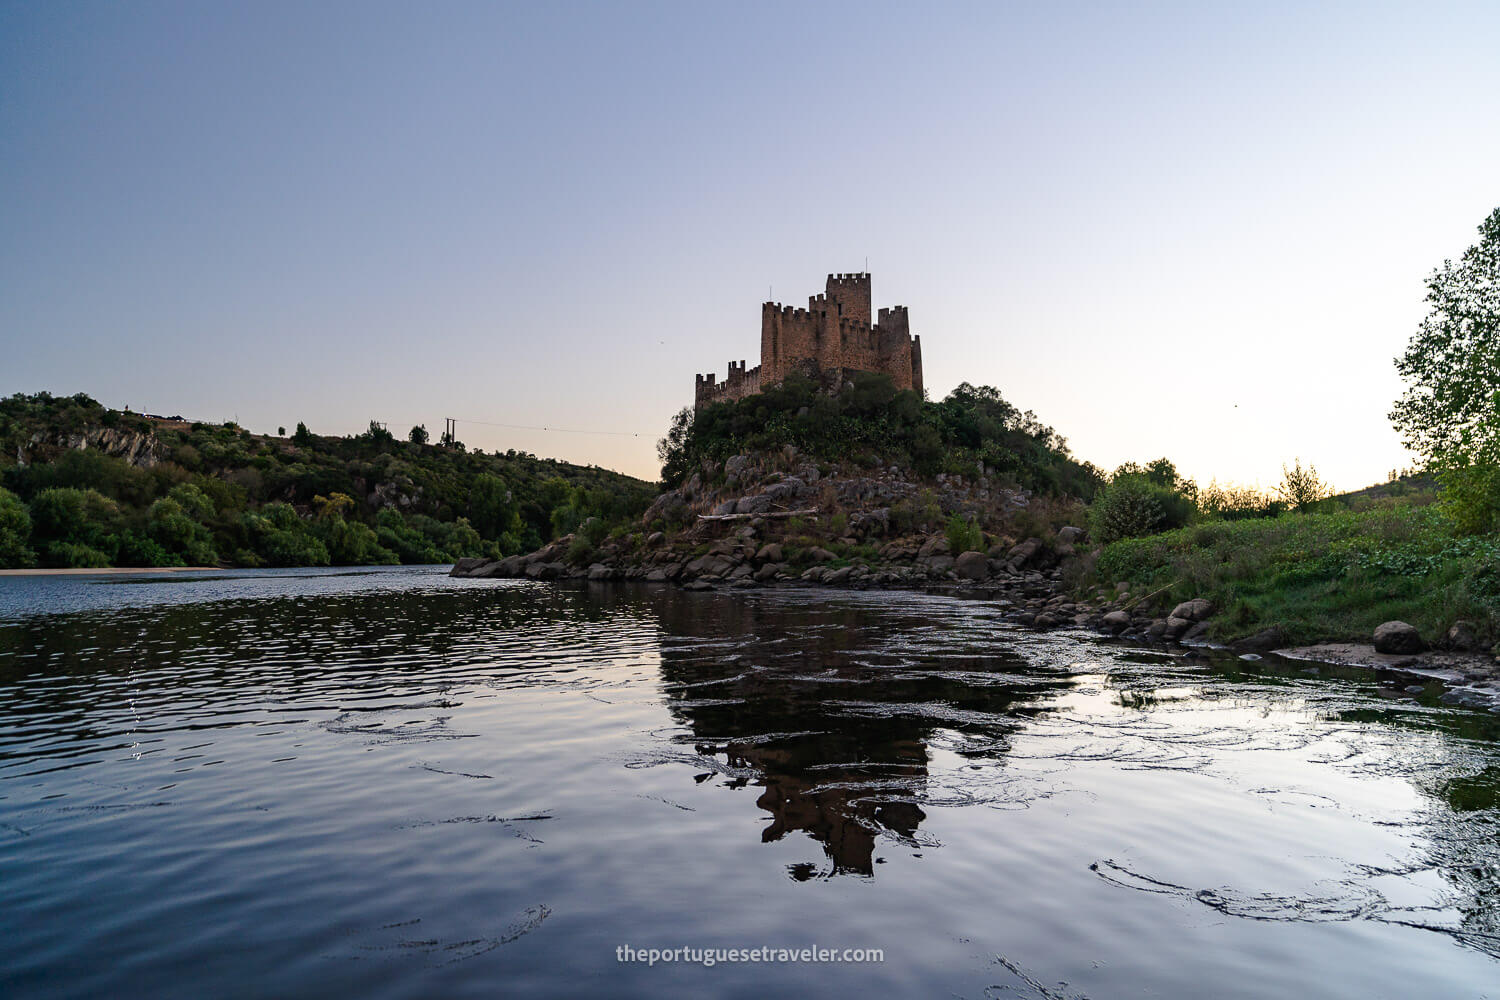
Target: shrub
(72,555)
(964,535)
(594,530)
(1126,508)
(580,550)
(1234,503)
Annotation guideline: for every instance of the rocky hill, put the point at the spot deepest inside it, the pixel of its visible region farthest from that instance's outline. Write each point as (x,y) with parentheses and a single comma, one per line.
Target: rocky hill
(778,518)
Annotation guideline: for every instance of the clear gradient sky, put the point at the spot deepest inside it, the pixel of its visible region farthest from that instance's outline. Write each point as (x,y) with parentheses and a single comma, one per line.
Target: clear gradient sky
(1196,230)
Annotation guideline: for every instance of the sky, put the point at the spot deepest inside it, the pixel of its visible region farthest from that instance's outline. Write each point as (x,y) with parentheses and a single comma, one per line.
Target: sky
(1199,230)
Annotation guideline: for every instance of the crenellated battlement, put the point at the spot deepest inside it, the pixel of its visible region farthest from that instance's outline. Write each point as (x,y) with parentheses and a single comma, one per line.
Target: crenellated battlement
(833,334)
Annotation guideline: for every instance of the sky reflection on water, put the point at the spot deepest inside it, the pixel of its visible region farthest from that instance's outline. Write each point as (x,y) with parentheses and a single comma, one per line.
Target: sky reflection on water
(391,783)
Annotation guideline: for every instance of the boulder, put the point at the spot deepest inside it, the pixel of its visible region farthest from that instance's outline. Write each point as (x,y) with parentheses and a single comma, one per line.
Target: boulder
(820,554)
(509,566)
(1194,611)
(1398,637)
(972,566)
(753,505)
(839,575)
(1263,641)
(657,576)
(545,570)
(787,490)
(770,552)
(769,571)
(1198,632)
(708,565)
(670,506)
(1024,553)
(1462,636)
(734,466)
(1115,622)
(1069,535)
(1175,627)
(599,571)
(936,545)
(467,565)
(938,565)
(727,507)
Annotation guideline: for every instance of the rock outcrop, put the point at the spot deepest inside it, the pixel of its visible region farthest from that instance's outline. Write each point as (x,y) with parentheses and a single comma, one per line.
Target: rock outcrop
(1398,637)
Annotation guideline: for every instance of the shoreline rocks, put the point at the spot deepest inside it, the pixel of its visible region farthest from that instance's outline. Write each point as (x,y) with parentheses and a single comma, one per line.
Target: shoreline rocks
(791,523)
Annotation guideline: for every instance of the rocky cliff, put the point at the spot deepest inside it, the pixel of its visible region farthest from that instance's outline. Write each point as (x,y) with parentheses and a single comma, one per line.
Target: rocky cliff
(142,450)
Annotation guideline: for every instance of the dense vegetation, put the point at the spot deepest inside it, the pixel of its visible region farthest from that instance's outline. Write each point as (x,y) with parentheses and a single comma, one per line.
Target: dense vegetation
(871,422)
(1333,573)
(217,494)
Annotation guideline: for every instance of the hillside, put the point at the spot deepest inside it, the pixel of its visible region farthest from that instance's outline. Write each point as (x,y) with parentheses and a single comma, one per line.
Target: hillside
(85,485)
(869,485)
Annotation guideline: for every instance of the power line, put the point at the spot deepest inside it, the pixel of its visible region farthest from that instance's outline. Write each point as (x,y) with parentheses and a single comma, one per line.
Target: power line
(555,430)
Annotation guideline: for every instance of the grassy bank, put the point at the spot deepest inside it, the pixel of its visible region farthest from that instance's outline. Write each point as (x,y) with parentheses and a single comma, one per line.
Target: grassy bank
(1329,575)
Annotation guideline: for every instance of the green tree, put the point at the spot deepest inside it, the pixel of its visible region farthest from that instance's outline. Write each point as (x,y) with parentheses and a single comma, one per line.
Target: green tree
(418,434)
(281,538)
(672,449)
(302,438)
(177,522)
(1450,411)
(492,508)
(1301,488)
(15,533)
(77,527)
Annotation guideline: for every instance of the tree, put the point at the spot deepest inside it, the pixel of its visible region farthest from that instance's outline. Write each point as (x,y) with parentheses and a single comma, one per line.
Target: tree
(303,437)
(15,532)
(78,527)
(176,523)
(672,449)
(418,434)
(281,432)
(1450,411)
(492,508)
(1301,488)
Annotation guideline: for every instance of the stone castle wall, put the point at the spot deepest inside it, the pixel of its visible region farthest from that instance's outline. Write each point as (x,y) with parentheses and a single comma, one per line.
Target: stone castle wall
(832,335)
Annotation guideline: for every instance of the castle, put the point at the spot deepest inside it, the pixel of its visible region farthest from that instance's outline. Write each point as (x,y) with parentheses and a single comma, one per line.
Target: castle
(832,337)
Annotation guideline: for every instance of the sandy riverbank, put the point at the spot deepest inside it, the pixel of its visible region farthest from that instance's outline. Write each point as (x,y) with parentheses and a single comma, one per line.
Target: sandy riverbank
(108,571)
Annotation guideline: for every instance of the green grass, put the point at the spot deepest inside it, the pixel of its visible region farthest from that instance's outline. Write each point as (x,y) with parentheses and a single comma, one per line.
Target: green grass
(1320,576)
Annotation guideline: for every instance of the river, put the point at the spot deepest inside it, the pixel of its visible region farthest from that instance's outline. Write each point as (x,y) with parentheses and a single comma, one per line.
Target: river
(390,783)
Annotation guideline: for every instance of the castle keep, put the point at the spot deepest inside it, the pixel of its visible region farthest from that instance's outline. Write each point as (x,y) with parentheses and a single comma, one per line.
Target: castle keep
(830,339)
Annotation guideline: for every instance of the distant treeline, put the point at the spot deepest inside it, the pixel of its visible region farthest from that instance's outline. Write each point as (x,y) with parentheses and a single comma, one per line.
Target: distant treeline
(216,494)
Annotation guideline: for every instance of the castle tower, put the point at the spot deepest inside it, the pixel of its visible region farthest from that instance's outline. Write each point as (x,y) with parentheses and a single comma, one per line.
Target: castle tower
(850,294)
